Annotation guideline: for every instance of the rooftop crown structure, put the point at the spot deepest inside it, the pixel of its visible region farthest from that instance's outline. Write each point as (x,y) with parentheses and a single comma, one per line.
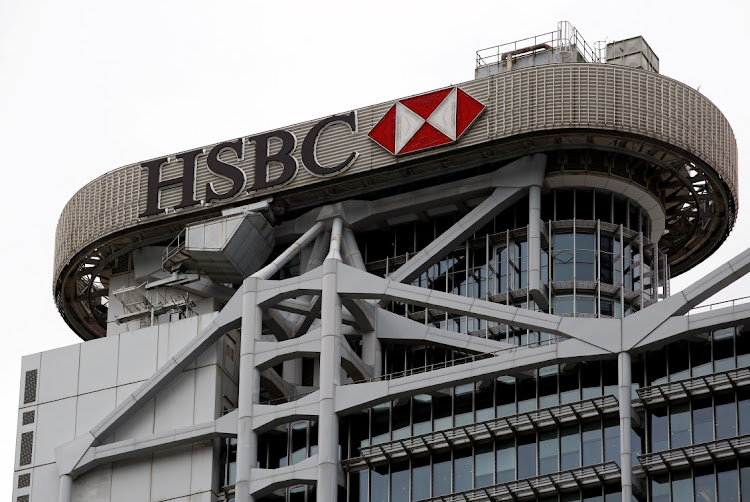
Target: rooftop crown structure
(458,295)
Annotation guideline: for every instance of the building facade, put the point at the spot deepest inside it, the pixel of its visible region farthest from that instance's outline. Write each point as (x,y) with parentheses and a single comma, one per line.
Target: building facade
(459,295)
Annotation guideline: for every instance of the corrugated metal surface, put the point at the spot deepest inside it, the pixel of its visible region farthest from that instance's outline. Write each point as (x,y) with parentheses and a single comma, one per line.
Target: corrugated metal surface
(591,96)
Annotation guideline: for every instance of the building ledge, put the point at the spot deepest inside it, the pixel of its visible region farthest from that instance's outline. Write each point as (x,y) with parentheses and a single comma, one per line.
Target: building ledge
(696,386)
(483,431)
(539,486)
(688,456)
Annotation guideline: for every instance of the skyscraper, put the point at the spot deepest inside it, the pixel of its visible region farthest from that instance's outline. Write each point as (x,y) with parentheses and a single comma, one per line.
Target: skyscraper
(458,295)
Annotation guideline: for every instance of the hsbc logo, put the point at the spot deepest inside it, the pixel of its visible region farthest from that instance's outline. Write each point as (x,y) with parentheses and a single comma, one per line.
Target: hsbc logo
(426,121)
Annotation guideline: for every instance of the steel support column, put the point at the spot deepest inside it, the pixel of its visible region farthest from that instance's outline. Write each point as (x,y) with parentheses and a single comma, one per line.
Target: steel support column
(330,372)
(247,440)
(624,383)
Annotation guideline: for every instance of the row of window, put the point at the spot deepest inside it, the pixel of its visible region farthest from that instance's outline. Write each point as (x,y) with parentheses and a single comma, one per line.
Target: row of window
(722,350)
(487,464)
(557,205)
(722,482)
(699,421)
(480,401)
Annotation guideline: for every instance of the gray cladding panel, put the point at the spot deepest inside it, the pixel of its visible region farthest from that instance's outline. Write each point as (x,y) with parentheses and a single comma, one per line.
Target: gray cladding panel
(545,98)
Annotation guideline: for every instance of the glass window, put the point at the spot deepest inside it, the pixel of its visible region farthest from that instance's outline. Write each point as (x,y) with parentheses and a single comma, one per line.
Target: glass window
(379,484)
(526,456)
(299,442)
(441,474)
(703,421)
(570,448)
(442,410)
(592,443)
(743,406)
(484,467)
(463,470)
(726,482)
(462,404)
(679,361)
(679,421)
(400,482)
(548,386)
(726,416)
(526,394)
(548,452)
(660,489)
(603,206)
(505,396)
(743,346)
(422,410)
(563,304)
(564,205)
(584,257)
(612,440)
(585,304)
(620,211)
(483,400)
(584,204)
(400,416)
(506,461)
(658,430)
(682,486)
(381,423)
(745,478)
(591,379)
(656,368)
(358,486)
(724,349)
(700,356)
(705,491)
(420,478)
(569,386)
(563,257)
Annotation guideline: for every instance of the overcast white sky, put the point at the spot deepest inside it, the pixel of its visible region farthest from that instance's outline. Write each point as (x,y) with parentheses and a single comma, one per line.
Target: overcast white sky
(88,86)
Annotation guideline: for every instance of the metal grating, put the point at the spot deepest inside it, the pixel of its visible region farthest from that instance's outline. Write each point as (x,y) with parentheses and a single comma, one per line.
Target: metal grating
(540,486)
(23,498)
(29,388)
(690,387)
(28,417)
(687,456)
(27,444)
(483,431)
(24,480)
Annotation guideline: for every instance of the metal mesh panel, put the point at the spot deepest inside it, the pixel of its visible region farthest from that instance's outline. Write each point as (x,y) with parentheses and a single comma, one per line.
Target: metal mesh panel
(28,418)
(23,498)
(24,480)
(29,388)
(606,97)
(27,443)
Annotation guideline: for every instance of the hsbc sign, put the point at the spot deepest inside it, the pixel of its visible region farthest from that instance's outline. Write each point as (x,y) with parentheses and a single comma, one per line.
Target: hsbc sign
(413,124)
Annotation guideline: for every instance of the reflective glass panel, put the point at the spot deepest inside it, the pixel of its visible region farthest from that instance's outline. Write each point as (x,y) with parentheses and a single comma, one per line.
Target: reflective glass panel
(526,456)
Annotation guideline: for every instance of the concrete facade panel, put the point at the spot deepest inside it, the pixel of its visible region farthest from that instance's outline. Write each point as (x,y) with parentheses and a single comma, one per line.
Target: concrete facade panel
(58,376)
(131,481)
(137,359)
(175,404)
(93,486)
(56,425)
(93,407)
(98,367)
(171,474)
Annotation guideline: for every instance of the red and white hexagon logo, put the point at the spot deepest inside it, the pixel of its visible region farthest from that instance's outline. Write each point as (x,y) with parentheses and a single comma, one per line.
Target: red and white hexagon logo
(426,121)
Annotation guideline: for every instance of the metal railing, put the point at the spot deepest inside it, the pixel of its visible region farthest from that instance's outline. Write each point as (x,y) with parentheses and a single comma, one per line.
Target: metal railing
(565,37)
(455,362)
(719,305)
(287,399)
